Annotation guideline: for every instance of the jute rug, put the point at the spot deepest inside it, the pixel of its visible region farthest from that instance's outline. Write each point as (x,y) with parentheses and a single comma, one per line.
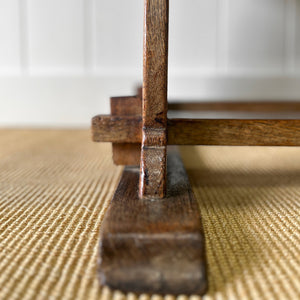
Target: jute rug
(55,187)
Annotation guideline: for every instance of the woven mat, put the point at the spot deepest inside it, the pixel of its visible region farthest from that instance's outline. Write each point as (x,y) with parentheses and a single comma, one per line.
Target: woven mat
(55,187)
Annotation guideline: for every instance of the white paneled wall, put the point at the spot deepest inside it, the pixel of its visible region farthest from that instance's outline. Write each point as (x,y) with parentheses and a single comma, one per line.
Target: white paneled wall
(10,40)
(118,37)
(193,36)
(256,35)
(55,33)
(60,60)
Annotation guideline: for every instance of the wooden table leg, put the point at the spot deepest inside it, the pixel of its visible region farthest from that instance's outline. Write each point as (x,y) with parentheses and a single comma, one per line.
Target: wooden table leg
(152,240)
(155,104)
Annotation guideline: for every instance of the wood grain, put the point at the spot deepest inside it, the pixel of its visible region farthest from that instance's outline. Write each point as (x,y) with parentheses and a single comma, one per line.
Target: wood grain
(204,132)
(155,106)
(126,106)
(154,246)
(126,153)
(238,106)
(117,129)
(234,132)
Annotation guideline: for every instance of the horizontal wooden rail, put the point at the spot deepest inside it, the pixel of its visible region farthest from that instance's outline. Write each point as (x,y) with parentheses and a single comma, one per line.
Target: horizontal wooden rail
(238,106)
(234,132)
(202,131)
(116,129)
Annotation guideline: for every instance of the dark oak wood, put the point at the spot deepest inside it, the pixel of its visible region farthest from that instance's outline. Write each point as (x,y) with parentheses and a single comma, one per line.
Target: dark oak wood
(126,106)
(126,153)
(139,92)
(238,106)
(155,105)
(203,132)
(154,246)
(151,237)
(117,129)
(234,132)
(129,154)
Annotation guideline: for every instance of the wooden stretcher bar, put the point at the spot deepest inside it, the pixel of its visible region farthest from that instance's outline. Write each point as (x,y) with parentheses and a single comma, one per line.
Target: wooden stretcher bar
(202,132)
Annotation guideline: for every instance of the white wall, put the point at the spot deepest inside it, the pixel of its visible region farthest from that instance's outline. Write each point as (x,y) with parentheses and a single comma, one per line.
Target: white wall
(60,60)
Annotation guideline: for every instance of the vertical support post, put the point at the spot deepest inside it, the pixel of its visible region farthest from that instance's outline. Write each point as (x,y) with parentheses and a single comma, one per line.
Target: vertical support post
(154,104)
